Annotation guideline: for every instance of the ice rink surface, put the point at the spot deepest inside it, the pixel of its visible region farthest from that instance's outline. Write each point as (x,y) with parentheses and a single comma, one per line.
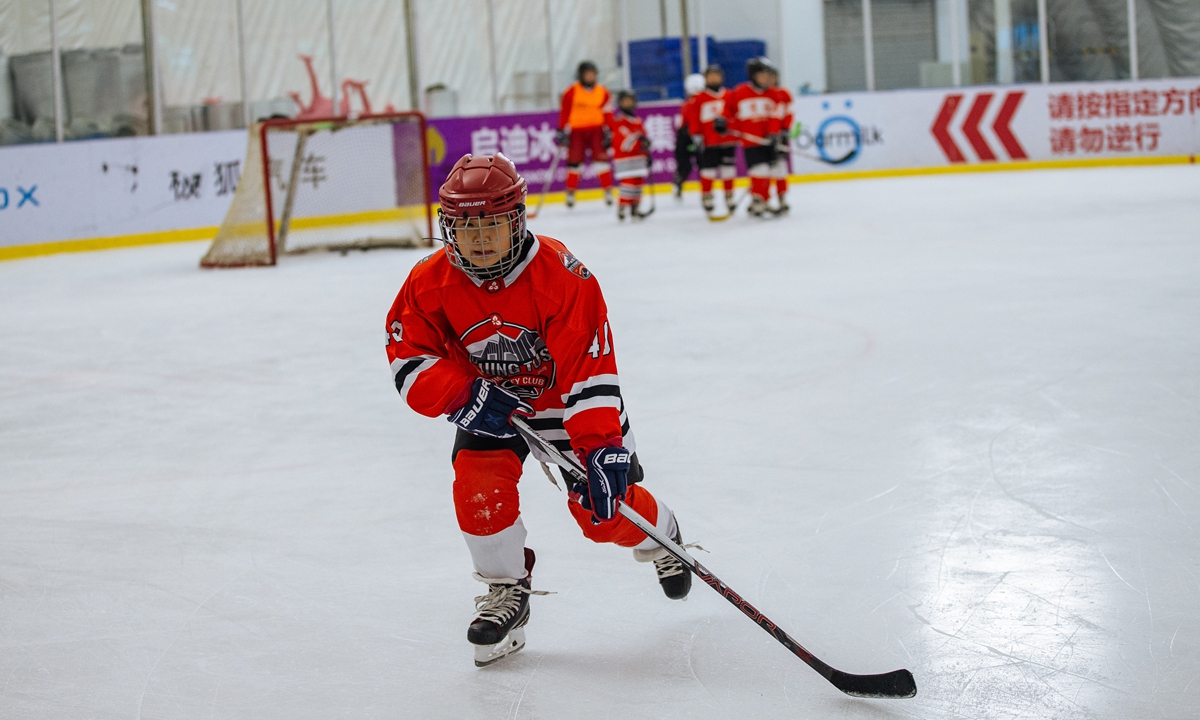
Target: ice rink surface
(946,423)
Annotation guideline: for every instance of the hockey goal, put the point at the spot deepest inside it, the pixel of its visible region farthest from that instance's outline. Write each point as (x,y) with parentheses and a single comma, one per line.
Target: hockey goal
(329,184)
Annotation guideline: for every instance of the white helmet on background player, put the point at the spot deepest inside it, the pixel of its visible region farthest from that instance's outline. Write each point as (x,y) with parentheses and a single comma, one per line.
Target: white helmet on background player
(693,84)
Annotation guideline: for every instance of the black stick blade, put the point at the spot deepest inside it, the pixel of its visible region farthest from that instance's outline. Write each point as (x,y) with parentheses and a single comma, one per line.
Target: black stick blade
(896,684)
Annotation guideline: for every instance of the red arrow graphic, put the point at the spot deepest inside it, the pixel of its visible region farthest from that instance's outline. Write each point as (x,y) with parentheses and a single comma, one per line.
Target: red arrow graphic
(1003,129)
(941,129)
(971,126)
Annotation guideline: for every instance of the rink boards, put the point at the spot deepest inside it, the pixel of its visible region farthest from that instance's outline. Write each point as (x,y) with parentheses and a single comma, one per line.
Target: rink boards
(132,191)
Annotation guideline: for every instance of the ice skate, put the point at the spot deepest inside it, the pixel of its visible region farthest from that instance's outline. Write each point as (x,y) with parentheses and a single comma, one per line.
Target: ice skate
(757,207)
(783,207)
(706,202)
(499,630)
(729,200)
(570,198)
(673,576)
(621,212)
(608,196)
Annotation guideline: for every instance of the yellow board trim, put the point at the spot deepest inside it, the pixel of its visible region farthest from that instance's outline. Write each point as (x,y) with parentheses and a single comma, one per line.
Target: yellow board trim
(17,252)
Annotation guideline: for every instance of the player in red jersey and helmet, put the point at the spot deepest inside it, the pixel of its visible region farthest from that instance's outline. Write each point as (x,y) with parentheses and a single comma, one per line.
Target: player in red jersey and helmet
(581,130)
(710,128)
(687,152)
(781,166)
(630,153)
(502,321)
(750,110)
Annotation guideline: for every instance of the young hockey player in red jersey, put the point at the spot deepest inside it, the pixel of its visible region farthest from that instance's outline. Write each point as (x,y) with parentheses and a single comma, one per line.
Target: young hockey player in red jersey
(581,130)
(781,166)
(710,127)
(750,110)
(687,153)
(630,153)
(502,321)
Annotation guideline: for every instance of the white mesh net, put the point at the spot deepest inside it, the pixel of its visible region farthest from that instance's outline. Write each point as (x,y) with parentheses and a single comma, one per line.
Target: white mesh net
(328,185)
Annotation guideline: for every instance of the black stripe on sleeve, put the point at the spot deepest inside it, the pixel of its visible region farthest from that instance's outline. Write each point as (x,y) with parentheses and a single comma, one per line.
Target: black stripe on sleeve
(591,392)
(544,424)
(405,370)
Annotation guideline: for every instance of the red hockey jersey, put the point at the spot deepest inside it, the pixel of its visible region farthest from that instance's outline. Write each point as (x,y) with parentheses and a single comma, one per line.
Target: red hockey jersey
(541,332)
(708,107)
(783,107)
(627,134)
(751,111)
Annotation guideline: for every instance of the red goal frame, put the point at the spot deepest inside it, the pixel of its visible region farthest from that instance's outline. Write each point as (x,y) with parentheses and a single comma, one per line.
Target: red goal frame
(284,123)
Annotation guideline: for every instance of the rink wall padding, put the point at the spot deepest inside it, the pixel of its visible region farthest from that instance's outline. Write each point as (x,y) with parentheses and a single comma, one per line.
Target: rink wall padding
(112,193)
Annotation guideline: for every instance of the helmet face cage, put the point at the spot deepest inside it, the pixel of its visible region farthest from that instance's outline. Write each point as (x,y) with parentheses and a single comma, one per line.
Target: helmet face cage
(484,246)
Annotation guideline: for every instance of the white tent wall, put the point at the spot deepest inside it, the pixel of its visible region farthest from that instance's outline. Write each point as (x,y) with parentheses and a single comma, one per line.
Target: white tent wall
(277,33)
(24,26)
(197,51)
(98,23)
(453,48)
(523,79)
(370,40)
(585,30)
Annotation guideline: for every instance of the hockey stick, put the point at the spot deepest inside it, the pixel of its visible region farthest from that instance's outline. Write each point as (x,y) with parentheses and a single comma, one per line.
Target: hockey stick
(895,684)
(650,188)
(546,188)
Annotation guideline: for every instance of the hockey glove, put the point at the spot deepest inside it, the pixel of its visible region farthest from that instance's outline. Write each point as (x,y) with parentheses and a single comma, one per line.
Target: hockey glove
(645,143)
(720,125)
(606,137)
(698,143)
(607,468)
(562,137)
(488,410)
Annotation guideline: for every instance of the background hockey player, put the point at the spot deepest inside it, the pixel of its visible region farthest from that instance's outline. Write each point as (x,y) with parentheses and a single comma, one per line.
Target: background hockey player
(503,321)
(581,130)
(781,166)
(630,154)
(687,153)
(710,128)
(750,109)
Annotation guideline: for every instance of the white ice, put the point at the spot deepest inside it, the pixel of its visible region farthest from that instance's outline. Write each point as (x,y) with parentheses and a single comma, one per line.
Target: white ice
(946,423)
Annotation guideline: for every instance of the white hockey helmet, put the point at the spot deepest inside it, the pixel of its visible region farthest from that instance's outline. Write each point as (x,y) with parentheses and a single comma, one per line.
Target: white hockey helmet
(693,84)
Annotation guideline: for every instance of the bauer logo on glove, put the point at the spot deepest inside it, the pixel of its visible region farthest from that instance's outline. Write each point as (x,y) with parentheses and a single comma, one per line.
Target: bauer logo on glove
(486,410)
(607,468)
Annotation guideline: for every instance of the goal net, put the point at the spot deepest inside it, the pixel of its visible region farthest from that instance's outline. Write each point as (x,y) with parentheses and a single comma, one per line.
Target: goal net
(336,184)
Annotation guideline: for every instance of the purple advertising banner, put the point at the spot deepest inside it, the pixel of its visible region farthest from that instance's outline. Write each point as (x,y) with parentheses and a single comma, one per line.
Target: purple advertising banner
(528,140)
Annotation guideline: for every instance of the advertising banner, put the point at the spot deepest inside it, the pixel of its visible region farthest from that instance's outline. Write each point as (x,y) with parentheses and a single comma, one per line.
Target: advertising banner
(122,186)
(965,126)
(528,140)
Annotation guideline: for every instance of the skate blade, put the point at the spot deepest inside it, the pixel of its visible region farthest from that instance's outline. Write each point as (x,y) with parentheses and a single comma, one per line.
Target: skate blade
(487,654)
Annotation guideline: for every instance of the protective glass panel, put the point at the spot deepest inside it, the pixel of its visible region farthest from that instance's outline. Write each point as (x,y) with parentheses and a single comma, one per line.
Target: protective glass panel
(1088,39)
(197,45)
(905,41)
(1168,33)
(845,64)
(287,58)
(26,73)
(1004,41)
(103,68)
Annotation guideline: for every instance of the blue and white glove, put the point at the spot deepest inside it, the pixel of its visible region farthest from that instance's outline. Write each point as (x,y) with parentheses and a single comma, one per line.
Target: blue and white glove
(488,410)
(607,468)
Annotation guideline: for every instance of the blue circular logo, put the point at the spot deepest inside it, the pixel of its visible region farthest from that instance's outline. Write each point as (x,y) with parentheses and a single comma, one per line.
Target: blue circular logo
(838,140)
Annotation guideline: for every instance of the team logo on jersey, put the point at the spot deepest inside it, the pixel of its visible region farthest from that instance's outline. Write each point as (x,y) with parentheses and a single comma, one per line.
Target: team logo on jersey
(512,356)
(493,286)
(571,263)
